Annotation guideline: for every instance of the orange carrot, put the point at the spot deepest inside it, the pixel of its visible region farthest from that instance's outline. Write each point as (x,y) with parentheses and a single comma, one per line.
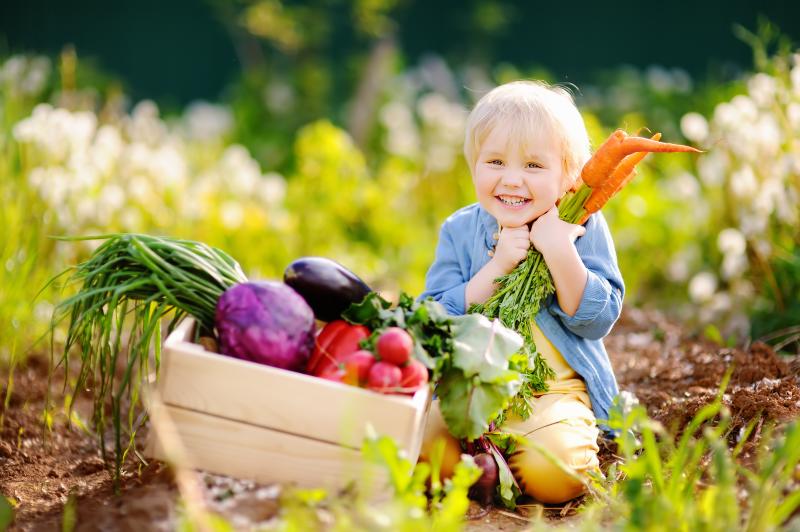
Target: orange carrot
(619,145)
(620,177)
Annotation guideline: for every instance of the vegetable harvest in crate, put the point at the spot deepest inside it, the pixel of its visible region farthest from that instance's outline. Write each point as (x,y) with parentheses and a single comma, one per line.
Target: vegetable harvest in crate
(132,281)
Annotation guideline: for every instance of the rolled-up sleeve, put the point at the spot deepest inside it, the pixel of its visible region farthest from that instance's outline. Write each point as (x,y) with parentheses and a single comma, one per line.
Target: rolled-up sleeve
(601,302)
(445,280)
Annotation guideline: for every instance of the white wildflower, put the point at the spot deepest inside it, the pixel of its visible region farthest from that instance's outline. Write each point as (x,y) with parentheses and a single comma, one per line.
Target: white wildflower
(106,149)
(659,79)
(702,287)
(130,218)
(748,112)
(762,88)
(636,205)
(432,107)
(239,170)
(684,186)
(733,266)
(113,196)
(730,241)
(395,114)
(279,97)
(205,121)
(13,68)
(231,215)
(720,303)
(694,127)
(681,80)
(753,224)
(168,167)
(272,188)
(678,269)
(767,135)
(441,157)
(403,142)
(743,182)
(144,124)
(140,189)
(713,167)
(727,116)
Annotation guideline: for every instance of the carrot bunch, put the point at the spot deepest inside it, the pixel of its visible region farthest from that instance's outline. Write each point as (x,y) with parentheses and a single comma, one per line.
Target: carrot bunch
(610,168)
(522,291)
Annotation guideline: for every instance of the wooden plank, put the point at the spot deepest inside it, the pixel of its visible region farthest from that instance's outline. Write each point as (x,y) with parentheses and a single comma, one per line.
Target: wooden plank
(246,451)
(283,400)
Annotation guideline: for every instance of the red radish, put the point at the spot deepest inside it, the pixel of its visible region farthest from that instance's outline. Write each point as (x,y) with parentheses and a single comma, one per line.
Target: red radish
(395,346)
(333,373)
(384,377)
(357,366)
(414,375)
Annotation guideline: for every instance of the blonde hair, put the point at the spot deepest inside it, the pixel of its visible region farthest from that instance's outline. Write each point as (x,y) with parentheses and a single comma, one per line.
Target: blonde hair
(534,110)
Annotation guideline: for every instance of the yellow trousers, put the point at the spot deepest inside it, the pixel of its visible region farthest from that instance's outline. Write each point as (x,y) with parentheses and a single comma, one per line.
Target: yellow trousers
(562,423)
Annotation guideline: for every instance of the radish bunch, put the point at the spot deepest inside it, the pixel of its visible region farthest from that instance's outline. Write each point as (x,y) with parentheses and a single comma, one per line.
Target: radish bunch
(391,369)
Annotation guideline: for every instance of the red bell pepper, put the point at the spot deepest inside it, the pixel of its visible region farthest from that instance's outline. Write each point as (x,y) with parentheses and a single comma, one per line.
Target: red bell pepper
(336,340)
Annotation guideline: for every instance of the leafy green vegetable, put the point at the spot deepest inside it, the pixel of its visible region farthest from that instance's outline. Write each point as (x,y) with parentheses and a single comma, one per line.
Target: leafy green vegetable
(468,404)
(482,347)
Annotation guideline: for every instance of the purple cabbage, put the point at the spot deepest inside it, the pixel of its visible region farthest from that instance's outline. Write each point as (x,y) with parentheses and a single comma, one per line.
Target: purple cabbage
(265,322)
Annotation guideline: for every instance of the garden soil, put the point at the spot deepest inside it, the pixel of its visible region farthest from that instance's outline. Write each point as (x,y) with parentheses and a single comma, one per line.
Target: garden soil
(670,372)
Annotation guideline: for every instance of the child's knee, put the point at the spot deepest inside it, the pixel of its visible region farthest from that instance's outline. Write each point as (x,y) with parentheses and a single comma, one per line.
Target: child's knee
(543,479)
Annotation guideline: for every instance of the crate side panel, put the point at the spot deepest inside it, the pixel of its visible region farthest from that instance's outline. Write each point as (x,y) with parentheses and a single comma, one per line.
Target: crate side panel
(245,451)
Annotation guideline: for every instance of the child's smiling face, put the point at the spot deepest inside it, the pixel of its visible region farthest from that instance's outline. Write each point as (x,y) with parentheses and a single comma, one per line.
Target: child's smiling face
(516,182)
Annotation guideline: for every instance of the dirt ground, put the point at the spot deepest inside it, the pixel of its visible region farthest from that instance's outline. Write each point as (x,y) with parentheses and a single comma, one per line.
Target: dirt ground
(671,373)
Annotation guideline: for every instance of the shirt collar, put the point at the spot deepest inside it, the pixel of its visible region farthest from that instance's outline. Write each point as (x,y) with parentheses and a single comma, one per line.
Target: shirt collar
(490,227)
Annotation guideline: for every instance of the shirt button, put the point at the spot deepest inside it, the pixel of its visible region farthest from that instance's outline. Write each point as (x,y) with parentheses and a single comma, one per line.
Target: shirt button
(496,236)
(490,253)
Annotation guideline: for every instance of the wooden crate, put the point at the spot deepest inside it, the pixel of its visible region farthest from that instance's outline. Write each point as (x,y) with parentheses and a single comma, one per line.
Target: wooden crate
(252,421)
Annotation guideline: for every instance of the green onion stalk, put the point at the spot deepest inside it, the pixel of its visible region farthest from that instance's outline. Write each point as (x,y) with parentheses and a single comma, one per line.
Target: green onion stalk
(130,282)
(518,299)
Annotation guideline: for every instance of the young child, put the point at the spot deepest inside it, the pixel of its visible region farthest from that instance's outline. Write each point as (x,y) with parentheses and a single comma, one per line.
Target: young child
(525,145)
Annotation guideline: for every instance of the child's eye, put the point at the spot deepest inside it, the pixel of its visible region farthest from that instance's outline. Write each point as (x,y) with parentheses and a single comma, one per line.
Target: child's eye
(533,165)
(495,161)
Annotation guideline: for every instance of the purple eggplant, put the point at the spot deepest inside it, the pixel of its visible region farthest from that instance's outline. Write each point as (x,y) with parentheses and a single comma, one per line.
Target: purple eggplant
(327,286)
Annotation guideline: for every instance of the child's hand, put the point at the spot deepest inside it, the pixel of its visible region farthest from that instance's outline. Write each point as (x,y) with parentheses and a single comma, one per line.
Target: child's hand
(512,247)
(550,233)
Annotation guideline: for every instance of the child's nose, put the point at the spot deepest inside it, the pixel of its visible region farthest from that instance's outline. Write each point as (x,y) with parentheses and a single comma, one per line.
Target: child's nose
(512,177)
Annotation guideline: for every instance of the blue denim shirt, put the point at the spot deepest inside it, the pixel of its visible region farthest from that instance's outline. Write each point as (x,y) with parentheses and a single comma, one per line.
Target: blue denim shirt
(464,242)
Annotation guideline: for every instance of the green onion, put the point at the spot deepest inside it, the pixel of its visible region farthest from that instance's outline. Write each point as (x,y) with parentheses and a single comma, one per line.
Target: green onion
(131,282)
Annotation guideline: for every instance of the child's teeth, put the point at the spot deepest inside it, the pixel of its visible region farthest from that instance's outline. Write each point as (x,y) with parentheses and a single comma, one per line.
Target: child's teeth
(514,201)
